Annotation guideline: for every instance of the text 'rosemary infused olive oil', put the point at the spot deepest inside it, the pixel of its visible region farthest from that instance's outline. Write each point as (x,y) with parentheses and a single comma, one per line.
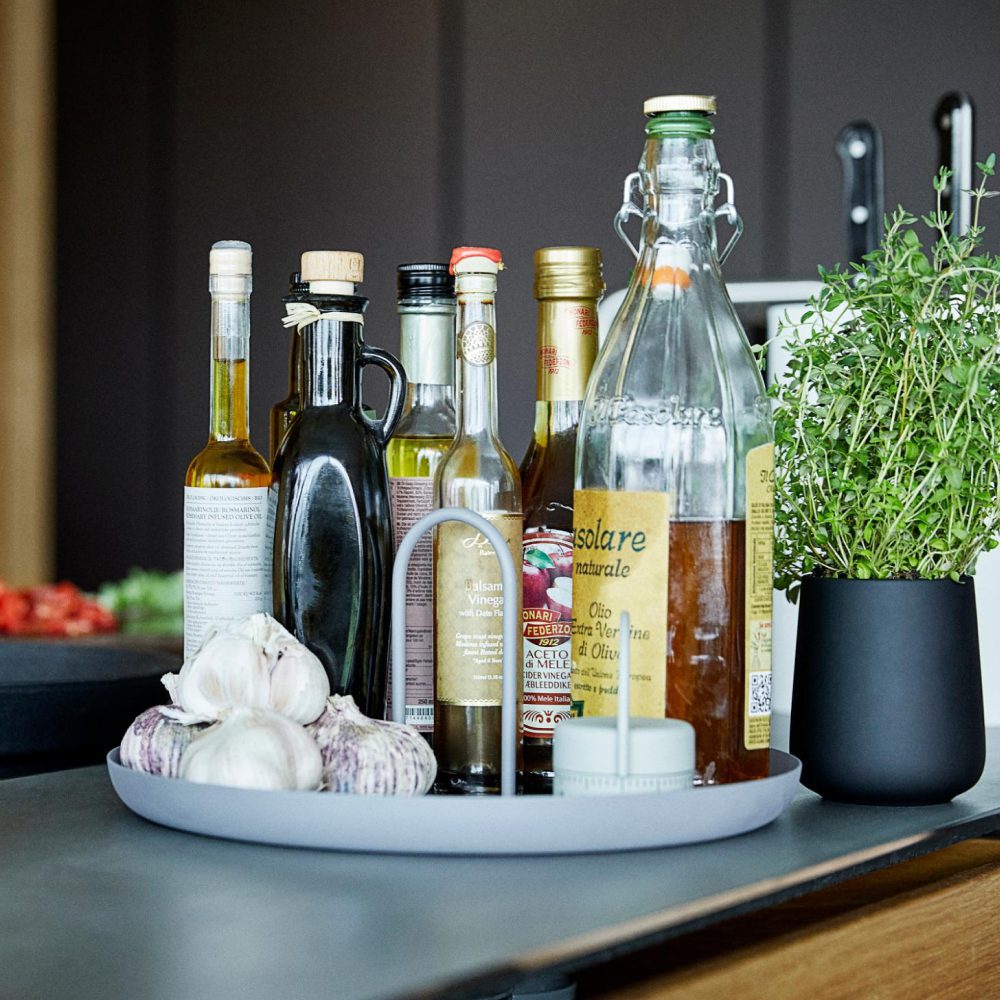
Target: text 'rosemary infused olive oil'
(228,509)
(477,473)
(673,509)
(426,294)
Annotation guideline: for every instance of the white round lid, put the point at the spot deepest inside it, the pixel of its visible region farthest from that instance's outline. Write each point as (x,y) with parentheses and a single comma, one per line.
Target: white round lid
(230,258)
(679,102)
(655,746)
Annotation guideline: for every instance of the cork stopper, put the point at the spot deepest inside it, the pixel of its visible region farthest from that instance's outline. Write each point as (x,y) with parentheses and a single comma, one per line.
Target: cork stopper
(230,258)
(679,102)
(333,265)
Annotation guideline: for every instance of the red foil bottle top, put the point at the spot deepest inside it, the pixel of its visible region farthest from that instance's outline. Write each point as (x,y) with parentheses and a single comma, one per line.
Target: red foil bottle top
(463,253)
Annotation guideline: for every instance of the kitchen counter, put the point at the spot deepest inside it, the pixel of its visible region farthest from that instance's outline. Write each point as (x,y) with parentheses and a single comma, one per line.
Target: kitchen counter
(97,903)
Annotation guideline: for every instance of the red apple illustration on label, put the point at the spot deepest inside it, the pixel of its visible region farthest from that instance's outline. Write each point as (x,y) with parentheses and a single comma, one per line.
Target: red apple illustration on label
(536,582)
(563,562)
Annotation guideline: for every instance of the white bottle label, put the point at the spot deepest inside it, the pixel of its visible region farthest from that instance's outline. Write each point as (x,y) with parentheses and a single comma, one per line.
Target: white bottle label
(227,558)
(411,499)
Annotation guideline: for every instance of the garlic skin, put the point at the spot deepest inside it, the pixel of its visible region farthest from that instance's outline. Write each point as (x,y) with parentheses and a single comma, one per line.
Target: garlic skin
(368,756)
(254,664)
(155,742)
(254,748)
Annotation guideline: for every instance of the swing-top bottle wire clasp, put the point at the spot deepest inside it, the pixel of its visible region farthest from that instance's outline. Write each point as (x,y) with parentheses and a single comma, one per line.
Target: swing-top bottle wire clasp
(629,207)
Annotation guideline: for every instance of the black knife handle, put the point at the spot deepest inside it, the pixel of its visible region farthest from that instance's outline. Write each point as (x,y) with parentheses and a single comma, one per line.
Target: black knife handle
(954,119)
(859,146)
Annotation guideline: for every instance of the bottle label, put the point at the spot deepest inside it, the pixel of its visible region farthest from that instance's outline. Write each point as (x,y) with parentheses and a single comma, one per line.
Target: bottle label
(227,558)
(759,593)
(620,563)
(478,344)
(567,346)
(547,586)
(411,499)
(469,610)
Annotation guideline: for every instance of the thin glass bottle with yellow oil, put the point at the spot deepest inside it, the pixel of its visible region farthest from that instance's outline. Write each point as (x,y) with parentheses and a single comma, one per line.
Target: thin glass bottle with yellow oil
(227,514)
(479,474)
(426,294)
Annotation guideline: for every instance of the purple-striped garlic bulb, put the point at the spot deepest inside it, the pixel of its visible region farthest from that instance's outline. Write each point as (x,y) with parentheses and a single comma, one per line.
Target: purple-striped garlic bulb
(368,756)
(155,742)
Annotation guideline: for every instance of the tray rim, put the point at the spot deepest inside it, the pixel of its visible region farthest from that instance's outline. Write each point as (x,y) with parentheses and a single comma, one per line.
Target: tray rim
(178,804)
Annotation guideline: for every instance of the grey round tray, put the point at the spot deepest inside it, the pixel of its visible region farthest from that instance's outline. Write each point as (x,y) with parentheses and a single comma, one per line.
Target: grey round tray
(530,824)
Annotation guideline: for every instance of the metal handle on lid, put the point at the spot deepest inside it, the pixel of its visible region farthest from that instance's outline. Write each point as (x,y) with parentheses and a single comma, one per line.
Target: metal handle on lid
(728,210)
(511,629)
(628,207)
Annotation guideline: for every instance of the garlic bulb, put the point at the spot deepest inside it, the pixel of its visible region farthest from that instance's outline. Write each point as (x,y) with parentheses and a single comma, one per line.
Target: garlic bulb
(254,664)
(155,742)
(254,748)
(368,756)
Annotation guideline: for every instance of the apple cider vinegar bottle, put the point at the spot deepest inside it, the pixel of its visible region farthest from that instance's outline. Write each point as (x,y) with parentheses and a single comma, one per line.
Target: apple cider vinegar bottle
(673,512)
(422,438)
(477,473)
(568,285)
(227,527)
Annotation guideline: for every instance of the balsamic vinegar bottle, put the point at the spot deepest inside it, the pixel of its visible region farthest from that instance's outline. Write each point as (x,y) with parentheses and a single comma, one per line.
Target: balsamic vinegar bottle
(333,546)
(479,474)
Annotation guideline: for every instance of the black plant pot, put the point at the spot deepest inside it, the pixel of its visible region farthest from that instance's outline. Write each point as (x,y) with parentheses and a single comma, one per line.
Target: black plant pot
(887,702)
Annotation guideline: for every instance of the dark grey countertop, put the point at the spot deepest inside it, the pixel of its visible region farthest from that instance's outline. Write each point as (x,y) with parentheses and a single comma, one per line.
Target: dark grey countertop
(97,903)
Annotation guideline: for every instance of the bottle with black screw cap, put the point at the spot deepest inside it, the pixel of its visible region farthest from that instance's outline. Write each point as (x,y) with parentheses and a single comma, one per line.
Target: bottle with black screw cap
(426,296)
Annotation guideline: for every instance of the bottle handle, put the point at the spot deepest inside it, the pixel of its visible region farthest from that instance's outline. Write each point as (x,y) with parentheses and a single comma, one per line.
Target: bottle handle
(397,391)
(728,210)
(628,207)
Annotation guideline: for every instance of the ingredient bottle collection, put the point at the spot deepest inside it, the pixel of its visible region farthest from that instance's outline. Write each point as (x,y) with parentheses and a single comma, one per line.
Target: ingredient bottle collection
(646,488)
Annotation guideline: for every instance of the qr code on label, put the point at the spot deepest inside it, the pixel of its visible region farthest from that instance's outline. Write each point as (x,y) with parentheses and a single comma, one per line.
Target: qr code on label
(760,693)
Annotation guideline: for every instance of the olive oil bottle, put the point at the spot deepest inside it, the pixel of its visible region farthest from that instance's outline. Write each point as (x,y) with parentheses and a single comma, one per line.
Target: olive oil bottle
(228,518)
(673,509)
(426,294)
(479,474)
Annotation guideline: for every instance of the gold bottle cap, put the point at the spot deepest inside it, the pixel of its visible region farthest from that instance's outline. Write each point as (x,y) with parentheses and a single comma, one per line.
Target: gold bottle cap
(568,273)
(679,102)
(333,265)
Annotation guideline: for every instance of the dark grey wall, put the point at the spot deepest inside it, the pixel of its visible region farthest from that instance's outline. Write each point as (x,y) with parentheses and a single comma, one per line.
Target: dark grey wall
(402,129)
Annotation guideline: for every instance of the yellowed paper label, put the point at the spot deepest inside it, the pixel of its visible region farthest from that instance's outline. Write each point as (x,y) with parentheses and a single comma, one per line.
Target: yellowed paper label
(759,589)
(621,544)
(567,347)
(469,610)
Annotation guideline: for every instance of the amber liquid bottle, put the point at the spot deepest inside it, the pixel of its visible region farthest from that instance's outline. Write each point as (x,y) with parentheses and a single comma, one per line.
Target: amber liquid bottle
(423,436)
(479,474)
(333,540)
(674,503)
(227,528)
(568,285)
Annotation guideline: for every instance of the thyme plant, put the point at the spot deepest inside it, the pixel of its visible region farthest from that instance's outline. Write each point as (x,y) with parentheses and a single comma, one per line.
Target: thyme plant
(887,424)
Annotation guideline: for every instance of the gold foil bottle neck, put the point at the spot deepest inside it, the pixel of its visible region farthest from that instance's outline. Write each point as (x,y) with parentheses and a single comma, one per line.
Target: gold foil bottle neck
(568,273)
